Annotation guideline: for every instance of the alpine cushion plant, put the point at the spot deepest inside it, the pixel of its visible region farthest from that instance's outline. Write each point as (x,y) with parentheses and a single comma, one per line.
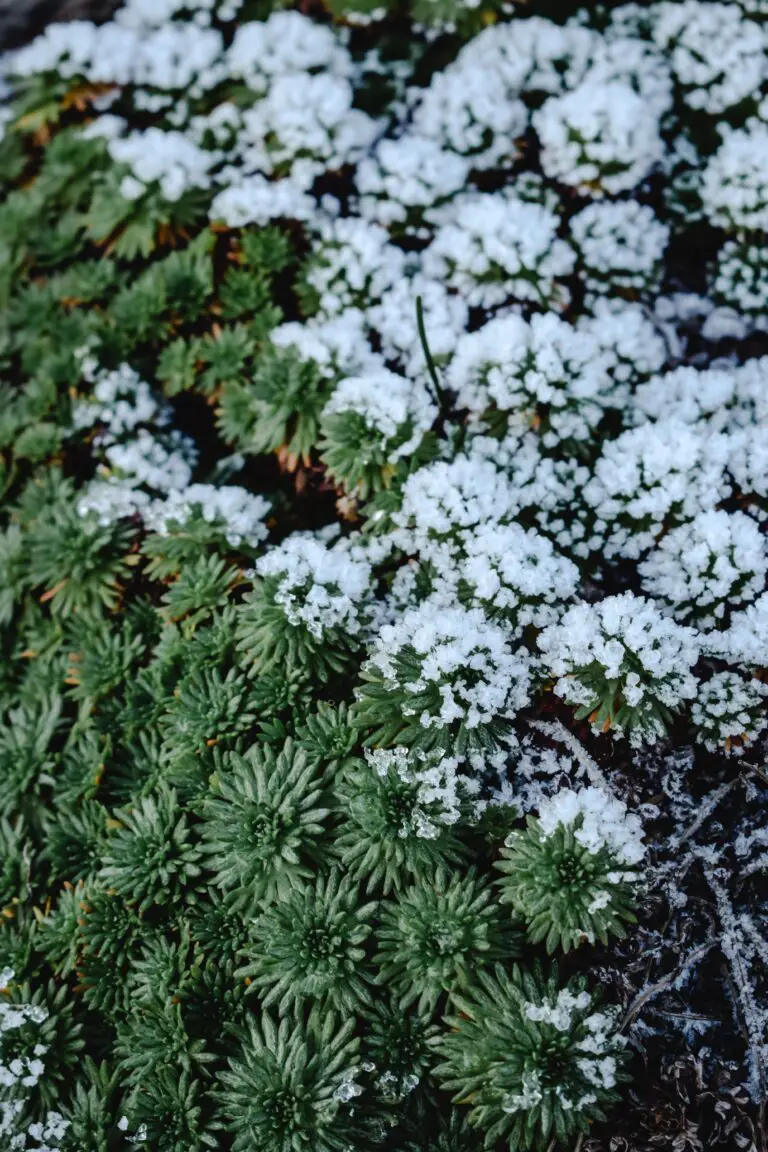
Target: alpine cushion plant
(567,873)
(383,564)
(622,664)
(442,678)
(536,1060)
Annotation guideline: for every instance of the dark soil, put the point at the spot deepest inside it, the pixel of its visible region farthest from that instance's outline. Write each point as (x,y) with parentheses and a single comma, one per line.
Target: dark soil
(22,20)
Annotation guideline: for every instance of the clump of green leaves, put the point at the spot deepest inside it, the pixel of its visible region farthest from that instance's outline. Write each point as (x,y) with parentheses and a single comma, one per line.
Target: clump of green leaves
(566,893)
(265,825)
(537,1060)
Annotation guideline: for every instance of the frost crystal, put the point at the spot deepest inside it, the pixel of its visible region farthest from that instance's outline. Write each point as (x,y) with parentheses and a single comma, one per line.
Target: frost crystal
(730,712)
(716,563)
(391,406)
(317,587)
(734,188)
(604,824)
(602,137)
(496,248)
(464,655)
(621,662)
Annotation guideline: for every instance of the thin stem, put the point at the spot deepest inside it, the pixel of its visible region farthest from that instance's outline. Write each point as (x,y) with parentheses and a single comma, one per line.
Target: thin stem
(439,393)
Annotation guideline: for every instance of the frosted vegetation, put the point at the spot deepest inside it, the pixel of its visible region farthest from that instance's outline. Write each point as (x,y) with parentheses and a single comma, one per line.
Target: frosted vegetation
(384,460)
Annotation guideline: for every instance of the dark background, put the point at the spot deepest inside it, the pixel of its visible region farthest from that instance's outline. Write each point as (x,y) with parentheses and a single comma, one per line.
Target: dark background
(22,20)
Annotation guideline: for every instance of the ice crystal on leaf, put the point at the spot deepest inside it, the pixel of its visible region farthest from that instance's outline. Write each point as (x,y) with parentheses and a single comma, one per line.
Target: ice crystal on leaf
(621,664)
(601,137)
(443,677)
(497,248)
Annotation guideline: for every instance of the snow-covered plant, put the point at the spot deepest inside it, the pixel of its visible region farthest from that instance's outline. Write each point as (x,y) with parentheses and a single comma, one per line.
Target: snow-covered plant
(546,375)
(147,474)
(532,56)
(601,137)
(21,1065)
(337,347)
(734,188)
(394,318)
(369,424)
(118,402)
(232,512)
(570,875)
(443,498)
(29,1035)
(706,568)
(654,477)
(286,42)
(398,818)
(745,642)
(620,246)
(721,398)
(176,56)
(352,264)
(729,712)
(497,248)
(739,279)
(470,110)
(442,677)
(405,176)
(624,54)
(622,665)
(628,337)
(304,124)
(169,159)
(256,200)
(537,1060)
(717,55)
(307,608)
(359,368)
(515,575)
(749,466)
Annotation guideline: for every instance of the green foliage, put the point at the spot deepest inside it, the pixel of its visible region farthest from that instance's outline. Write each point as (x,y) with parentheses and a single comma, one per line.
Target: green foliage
(312,946)
(534,1060)
(152,857)
(170,1112)
(281,1093)
(379,837)
(92,1113)
(265,825)
(76,562)
(56,1038)
(25,760)
(208,706)
(566,894)
(327,735)
(354,460)
(154,1037)
(204,585)
(391,708)
(230,931)
(271,640)
(278,409)
(434,939)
